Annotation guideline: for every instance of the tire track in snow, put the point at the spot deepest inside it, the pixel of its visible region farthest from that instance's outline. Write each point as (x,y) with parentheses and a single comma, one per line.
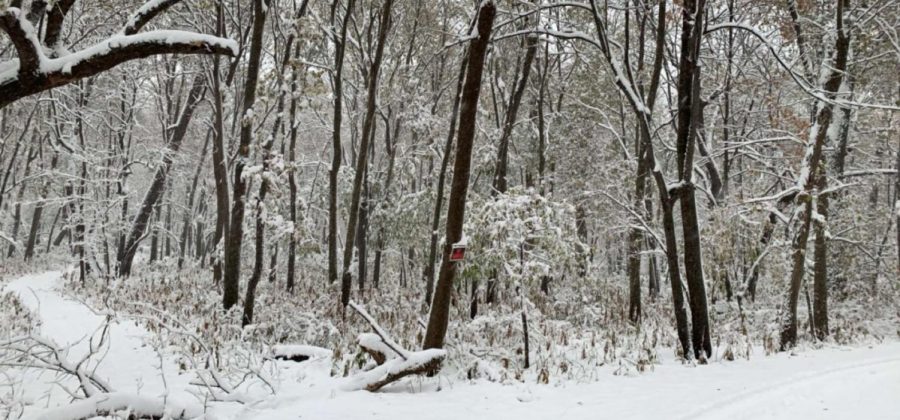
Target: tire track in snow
(722,404)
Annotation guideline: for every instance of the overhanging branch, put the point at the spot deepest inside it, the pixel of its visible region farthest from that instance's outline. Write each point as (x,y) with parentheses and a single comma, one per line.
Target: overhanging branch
(147,12)
(21,33)
(55,18)
(108,54)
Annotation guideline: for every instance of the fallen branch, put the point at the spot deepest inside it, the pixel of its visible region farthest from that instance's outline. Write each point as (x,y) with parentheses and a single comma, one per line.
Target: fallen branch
(383,335)
(417,363)
(394,362)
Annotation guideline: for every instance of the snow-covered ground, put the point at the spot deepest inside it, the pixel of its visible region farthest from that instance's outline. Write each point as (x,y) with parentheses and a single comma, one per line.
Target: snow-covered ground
(831,383)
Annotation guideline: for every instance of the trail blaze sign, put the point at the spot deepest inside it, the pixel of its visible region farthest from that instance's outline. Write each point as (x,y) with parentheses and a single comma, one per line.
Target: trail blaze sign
(458,253)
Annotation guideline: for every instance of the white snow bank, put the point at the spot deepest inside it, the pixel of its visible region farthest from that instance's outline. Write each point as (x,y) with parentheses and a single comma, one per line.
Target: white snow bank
(299,351)
(118,402)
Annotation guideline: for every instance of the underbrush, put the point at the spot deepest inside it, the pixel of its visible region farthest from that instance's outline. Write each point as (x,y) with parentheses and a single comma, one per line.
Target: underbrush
(16,321)
(576,333)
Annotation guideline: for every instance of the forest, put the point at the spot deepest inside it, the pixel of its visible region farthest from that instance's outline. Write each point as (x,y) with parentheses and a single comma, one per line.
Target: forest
(522,209)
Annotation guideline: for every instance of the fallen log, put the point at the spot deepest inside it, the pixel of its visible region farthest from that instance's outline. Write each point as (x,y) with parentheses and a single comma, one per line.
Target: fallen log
(417,363)
(394,362)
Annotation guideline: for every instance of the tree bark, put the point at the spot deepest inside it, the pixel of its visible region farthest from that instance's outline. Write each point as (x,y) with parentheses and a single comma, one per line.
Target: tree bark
(689,118)
(337,76)
(187,224)
(439,195)
(813,169)
(440,308)
(512,110)
(17,213)
(220,170)
(38,212)
(235,238)
(362,157)
(820,263)
(158,186)
(292,179)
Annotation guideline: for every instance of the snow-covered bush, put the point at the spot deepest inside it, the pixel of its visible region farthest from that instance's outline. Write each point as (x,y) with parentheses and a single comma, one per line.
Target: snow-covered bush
(523,235)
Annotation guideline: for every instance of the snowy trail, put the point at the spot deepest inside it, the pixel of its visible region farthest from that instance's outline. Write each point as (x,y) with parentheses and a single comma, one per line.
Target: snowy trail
(127,363)
(832,383)
(836,383)
(836,392)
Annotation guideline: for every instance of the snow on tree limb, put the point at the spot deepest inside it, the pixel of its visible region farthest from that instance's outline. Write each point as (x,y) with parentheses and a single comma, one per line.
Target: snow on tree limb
(55,17)
(385,337)
(147,12)
(392,367)
(418,363)
(35,72)
(104,56)
(798,79)
(21,33)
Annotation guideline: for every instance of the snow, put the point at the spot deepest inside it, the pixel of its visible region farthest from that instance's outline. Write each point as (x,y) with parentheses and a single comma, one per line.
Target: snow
(9,69)
(374,342)
(383,336)
(116,402)
(66,63)
(623,81)
(144,10)
(830,383)
(129,365)
(393,366)
(295,350)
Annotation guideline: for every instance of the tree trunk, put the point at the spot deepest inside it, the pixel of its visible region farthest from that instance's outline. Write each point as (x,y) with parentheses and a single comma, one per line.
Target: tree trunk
(689,109)
(820,273)
(439,195)
(17,213)
(768,231)
(440,308)
(38,212)
(812,170)
(361,236)
(235,238)
(187,224)
(512,110)
(292,178)
(362,157)
(636,234)
(339,48)
(897,204)
(232,272)
(158,186)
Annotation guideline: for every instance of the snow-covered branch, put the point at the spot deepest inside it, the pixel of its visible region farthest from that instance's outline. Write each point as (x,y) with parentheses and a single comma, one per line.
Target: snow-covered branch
(34,72)
(383,335)
(394,362)
(147,12)
(798,79)
(22,34)
(55,17)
